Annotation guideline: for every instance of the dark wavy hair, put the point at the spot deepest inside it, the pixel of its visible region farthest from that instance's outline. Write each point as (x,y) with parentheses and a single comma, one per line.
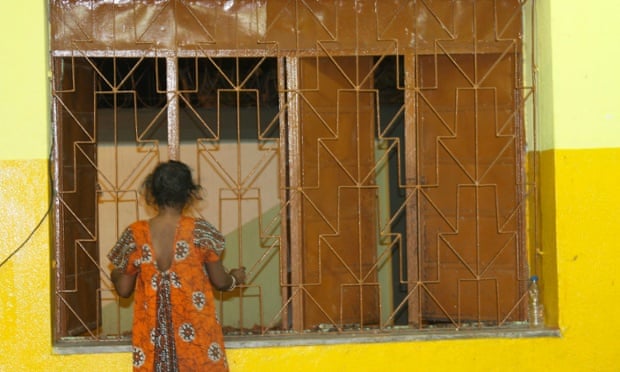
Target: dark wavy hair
(171,185)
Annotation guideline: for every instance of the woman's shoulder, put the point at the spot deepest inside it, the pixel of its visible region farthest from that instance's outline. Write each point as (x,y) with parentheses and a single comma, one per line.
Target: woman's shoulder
(137,223)
(207,235)
(138,226)
(202,223)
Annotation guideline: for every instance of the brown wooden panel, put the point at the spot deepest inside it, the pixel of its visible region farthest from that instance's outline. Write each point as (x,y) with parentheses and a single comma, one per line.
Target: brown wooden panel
(278,27)
(78,280)
(469,213)
(339,209)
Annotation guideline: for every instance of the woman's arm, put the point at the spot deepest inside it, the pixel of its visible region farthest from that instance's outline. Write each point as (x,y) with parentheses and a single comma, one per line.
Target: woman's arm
(225,280)
(124,283)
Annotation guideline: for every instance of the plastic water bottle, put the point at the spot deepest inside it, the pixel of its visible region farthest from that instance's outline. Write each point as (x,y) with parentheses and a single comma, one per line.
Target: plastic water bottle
(536,317)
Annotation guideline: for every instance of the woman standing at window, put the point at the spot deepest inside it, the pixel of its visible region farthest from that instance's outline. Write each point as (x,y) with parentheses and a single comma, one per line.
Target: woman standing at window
(171,263)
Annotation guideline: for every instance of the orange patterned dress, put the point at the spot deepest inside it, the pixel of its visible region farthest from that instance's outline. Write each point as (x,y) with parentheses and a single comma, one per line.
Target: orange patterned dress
(175,325)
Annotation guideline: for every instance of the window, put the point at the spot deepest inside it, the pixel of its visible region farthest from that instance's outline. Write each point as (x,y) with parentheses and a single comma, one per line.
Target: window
(369,178)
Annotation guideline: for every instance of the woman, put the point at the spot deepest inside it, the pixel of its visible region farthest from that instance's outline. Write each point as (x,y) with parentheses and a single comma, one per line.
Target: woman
(171,262)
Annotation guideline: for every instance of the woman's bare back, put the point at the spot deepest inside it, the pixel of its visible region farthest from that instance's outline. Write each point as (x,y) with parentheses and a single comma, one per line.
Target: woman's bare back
(163,232)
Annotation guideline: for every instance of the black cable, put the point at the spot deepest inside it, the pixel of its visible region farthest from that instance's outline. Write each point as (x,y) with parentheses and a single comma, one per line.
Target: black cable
(49,208)
(28,237)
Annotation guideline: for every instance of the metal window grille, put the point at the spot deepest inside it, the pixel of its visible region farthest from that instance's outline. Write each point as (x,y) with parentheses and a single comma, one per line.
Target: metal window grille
(366,160)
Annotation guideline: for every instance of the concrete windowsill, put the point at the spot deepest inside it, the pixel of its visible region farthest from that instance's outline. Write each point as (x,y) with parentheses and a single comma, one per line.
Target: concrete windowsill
(241,342)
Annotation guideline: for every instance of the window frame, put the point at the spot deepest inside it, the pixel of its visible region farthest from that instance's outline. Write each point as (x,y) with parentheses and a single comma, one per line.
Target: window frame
(291,63)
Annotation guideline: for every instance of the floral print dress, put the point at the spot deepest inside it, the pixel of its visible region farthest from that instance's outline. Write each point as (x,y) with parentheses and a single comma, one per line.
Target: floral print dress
(175,324)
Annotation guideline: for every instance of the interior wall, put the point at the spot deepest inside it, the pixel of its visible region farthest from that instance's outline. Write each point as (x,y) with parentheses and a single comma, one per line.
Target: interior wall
(224,216)
(580,207)
(110,220)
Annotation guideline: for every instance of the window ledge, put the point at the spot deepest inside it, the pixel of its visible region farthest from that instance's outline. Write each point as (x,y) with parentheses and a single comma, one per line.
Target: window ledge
(239,342)
(242,342)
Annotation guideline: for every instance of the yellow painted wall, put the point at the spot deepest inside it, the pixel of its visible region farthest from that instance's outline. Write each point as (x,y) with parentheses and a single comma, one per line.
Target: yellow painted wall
(585,77)
(24,92)
(580,139)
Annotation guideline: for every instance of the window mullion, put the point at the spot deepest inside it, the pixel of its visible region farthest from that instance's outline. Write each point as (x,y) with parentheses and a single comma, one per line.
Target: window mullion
(294,167)
(172,82)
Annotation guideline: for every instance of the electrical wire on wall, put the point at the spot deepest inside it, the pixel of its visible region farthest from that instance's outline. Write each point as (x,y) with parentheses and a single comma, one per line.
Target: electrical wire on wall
(43,218)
